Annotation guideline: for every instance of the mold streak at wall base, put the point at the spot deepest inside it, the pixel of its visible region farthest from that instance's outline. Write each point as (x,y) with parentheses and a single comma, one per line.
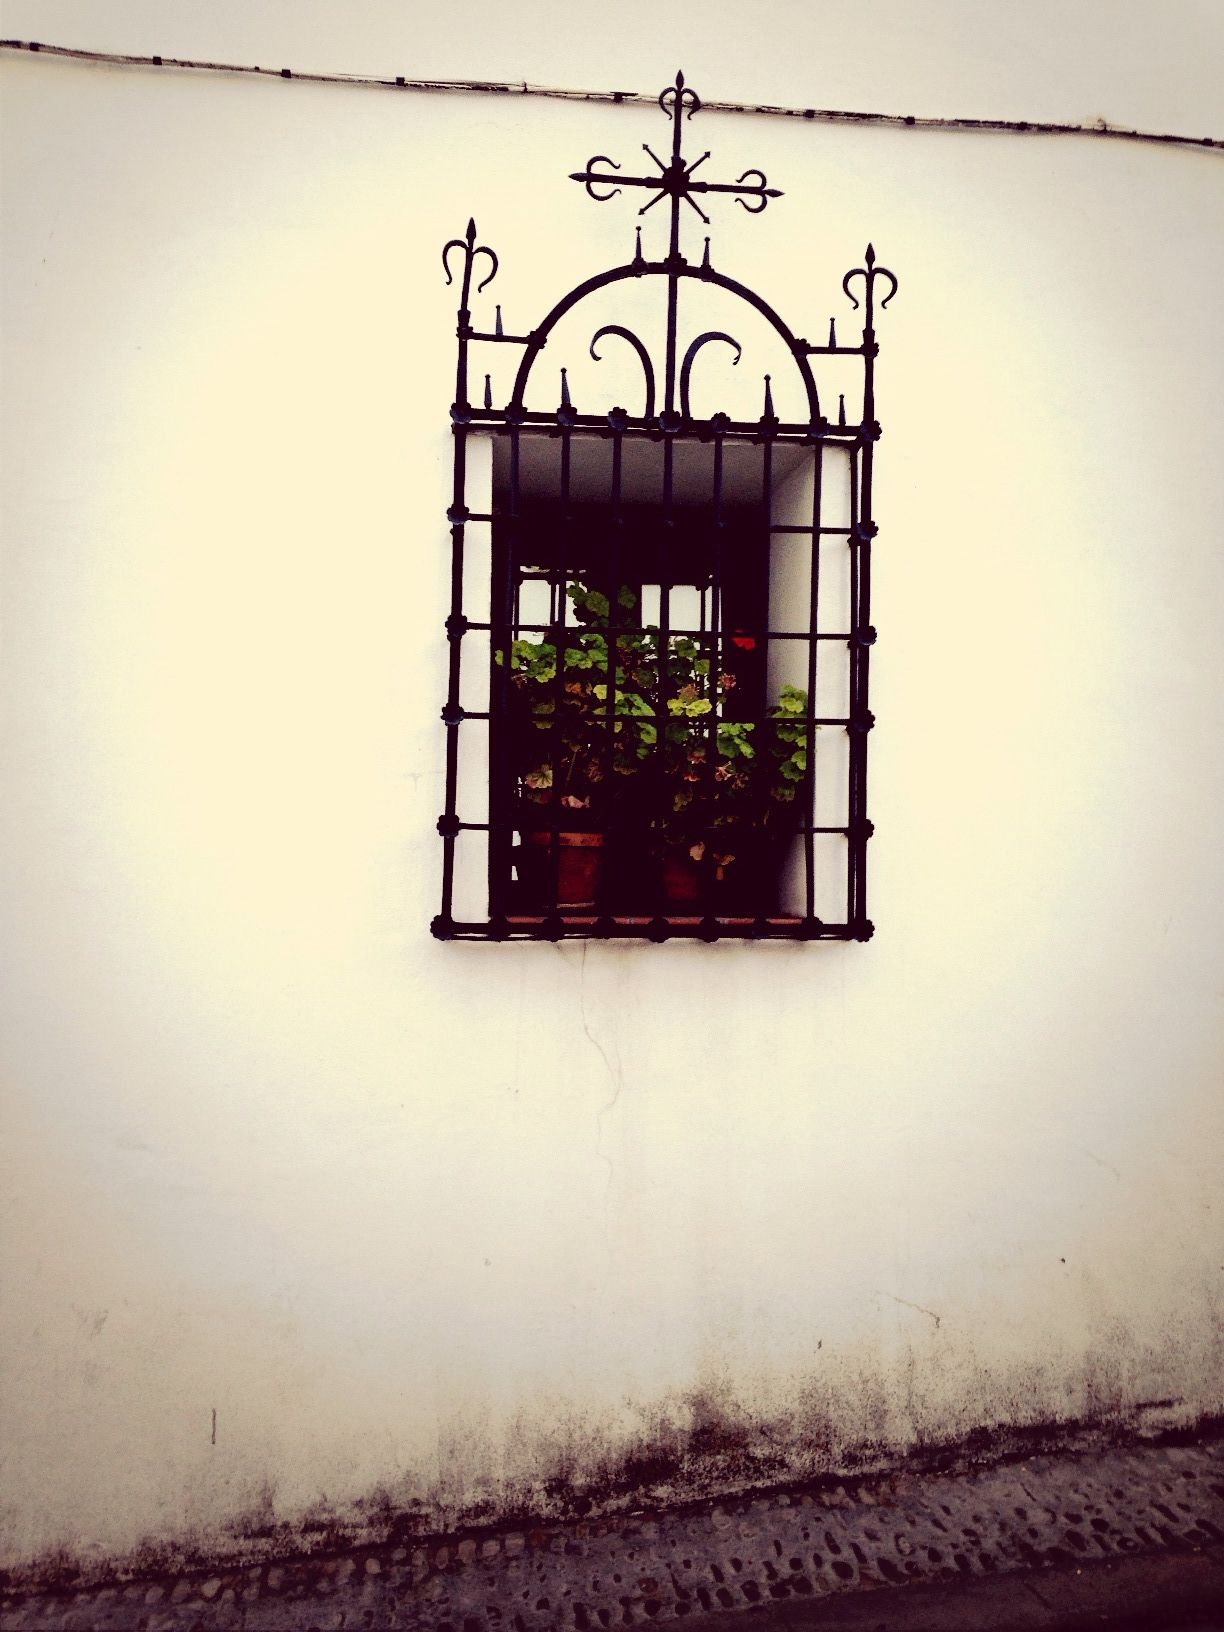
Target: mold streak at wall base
(718,1457)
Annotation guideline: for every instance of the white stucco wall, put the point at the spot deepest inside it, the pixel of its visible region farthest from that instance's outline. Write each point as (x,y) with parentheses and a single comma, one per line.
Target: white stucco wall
(444,1221)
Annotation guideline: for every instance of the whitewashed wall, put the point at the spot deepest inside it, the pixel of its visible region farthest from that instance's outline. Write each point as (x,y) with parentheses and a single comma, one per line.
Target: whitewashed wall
(431,1224)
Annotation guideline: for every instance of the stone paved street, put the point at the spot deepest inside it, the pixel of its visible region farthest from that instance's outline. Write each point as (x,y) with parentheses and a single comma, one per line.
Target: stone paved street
(1130,1537)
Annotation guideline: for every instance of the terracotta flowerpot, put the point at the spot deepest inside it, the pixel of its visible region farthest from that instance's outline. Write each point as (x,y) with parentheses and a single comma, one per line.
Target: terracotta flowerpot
(579,865)
(681,881)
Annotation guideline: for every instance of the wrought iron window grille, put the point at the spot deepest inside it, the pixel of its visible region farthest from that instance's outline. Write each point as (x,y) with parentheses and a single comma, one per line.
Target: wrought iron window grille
(669,631)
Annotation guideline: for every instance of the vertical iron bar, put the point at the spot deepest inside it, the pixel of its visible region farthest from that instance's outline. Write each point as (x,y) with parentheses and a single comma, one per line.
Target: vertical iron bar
(809,781)
(454,630)
(463,328)
(863,609)
(665,555)
(857,739)
(673,292)
(674,262)
(864,660)
(501,616)
(716,694)
(612,850)
(762,906)
(665,588)
(553,903)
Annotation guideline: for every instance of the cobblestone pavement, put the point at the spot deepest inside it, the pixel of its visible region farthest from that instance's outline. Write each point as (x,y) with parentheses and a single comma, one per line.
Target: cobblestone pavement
(806,1558)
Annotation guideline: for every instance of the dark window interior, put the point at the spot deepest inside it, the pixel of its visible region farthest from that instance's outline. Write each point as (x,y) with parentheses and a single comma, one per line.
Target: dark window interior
(697,562)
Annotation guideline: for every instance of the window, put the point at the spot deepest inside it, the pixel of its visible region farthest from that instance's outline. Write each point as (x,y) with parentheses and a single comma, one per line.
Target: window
(659,628)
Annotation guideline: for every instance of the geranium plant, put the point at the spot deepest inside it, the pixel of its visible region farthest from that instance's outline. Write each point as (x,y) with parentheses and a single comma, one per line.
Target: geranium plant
(730,787)
(709,792)
(569,743)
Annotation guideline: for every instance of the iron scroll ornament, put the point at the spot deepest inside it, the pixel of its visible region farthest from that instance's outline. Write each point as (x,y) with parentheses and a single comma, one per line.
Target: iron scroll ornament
(642,354)
(667,413)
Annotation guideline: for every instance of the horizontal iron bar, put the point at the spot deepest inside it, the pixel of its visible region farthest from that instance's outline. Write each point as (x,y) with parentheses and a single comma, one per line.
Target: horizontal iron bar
(800,527)
(549,822)
(569,926)
(734,430)
(682,634)
(543,575)
(599,728)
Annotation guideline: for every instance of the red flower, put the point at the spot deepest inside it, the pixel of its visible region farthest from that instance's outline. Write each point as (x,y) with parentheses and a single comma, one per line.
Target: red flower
(746,643)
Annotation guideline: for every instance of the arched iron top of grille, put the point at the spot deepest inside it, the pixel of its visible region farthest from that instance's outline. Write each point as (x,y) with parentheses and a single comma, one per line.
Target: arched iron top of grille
(666,404)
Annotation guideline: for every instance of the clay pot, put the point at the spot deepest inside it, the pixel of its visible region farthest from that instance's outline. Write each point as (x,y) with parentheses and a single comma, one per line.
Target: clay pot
(579,866)
(681,881)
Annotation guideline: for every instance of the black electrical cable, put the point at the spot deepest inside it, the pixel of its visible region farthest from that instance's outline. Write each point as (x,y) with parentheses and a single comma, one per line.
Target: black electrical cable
(401,82)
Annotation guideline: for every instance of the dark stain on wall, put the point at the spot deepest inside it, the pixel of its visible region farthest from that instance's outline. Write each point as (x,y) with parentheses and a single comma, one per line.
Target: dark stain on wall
(720,1456)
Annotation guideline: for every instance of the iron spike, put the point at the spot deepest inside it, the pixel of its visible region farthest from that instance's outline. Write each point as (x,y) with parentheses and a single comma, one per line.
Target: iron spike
(841,410)
(679,80)
(497,327)
(705,258)
(488,396)
(769,402)
(637,248)
(471,230)
(832,332)
(870,255)
(565,391)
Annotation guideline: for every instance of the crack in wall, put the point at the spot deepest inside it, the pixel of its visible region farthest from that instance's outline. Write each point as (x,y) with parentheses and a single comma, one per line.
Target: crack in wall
(616,1075)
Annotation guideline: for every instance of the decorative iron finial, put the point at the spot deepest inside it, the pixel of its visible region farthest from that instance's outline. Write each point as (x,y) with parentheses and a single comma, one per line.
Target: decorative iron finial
(637,244)
(869,273)
(565,390)
(768,412)
(468,245)
(832,332)
(497,326)
(705,255)
(674,98)
(488,391)
(675,179)
(841,409)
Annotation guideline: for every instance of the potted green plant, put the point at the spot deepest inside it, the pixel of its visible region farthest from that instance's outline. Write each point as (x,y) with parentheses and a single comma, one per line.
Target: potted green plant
(572,751)
(729,799)
(714,827)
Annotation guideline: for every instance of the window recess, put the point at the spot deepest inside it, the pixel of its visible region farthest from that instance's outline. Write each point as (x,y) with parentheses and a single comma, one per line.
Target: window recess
(659,631)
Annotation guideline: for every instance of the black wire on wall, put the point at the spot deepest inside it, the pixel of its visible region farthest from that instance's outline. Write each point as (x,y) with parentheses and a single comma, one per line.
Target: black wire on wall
(401,82)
